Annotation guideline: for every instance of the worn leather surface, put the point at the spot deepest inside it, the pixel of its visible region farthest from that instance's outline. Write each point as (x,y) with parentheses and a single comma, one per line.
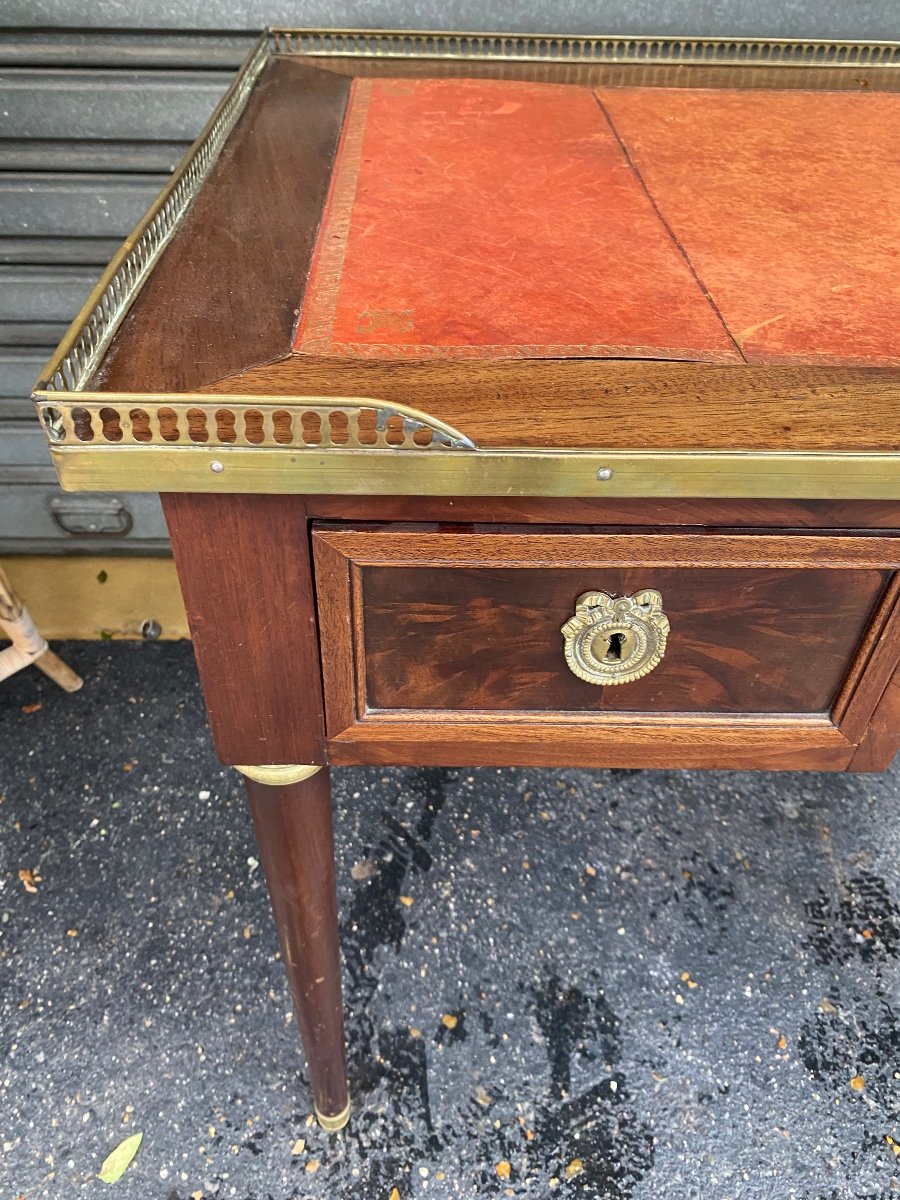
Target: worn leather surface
(483,218)
(480,218)
(788,205)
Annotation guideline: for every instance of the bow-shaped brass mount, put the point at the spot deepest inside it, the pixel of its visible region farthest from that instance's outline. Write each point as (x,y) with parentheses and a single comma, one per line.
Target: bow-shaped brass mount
(615,639)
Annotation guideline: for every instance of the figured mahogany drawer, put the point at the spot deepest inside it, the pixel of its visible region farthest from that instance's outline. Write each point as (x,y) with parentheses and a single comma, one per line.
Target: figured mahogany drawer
(464,627)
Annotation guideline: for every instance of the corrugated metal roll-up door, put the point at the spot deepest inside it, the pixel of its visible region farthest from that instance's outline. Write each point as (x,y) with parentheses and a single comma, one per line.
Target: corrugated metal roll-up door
(91,125)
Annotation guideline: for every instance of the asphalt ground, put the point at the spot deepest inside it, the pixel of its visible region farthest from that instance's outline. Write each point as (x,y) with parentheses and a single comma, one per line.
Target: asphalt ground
(623,985)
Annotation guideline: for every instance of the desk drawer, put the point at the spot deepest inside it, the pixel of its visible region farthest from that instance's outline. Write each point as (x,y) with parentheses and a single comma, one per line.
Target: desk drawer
(481,630)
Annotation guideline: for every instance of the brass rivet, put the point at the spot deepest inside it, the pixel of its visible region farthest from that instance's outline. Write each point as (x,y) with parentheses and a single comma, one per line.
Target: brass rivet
(216,466)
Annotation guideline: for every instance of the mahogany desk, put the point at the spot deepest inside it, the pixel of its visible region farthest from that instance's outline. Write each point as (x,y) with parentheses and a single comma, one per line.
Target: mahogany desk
(513,401)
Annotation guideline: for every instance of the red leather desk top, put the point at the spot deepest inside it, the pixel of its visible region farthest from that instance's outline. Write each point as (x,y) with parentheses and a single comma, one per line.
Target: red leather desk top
(491,219)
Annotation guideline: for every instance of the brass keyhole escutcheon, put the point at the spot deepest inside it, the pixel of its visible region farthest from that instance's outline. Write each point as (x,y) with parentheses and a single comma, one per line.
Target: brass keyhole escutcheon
(615,639)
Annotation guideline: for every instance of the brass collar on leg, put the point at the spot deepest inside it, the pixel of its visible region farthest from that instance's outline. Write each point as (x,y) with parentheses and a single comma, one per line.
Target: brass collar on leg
(333,1124)
(278,776)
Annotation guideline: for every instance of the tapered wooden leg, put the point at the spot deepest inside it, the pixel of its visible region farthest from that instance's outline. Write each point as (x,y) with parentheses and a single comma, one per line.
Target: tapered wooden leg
(293,828)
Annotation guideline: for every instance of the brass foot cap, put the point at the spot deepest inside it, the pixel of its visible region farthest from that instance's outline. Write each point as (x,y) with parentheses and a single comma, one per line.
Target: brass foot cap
(333,1124)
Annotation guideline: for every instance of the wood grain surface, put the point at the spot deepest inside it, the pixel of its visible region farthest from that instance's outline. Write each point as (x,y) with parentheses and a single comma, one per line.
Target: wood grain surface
(245,573)
(872,667)
(492,546)
(734,743)
(296,847)
(579,403)
(787,515)
(224,293)
(881,739)
(464,621)
(763,641)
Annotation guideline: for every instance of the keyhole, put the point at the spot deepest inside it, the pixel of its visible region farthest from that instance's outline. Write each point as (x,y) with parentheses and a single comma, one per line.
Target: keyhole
(615,648)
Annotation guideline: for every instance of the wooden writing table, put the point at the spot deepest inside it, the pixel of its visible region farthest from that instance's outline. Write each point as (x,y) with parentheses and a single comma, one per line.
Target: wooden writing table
(513,401)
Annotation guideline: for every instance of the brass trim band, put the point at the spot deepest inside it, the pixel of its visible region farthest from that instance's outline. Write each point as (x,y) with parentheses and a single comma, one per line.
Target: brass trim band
(718,474)
(278,776)
(333,1124)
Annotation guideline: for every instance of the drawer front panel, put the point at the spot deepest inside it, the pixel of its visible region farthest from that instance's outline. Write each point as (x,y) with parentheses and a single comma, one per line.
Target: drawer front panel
(461,630)
(489,639)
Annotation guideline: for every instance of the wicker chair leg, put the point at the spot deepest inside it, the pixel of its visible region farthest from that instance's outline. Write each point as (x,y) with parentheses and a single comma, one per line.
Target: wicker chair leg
(28,647)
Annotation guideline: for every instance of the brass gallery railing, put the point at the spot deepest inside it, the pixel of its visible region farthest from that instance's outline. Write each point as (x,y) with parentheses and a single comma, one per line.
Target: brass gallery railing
(357,444)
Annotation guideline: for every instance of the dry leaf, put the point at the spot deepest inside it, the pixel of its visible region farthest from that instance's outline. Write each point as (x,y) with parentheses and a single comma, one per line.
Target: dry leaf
(32,708)
(395,1194)
(483,1097)
(782,1043)
(407,900)
(503,1169)
(299,1146)
(117,1162)
(449,1021)
(312,1166)
(575,1167)
(28,879)
(826,1006)
(364,869)
(857,1083)
(196,1196)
